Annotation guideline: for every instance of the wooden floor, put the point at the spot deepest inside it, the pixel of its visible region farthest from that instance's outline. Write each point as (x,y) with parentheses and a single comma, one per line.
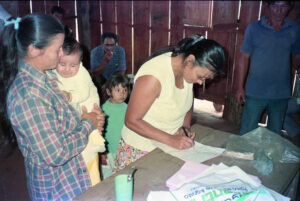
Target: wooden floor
(215,122)
(12,173)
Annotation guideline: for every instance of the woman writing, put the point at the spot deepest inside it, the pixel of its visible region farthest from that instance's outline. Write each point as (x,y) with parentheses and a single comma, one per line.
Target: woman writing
(50,133)
(160,107)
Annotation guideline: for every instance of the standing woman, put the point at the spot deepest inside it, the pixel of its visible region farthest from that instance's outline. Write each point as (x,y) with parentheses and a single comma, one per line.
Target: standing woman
(50,133)
(161,103)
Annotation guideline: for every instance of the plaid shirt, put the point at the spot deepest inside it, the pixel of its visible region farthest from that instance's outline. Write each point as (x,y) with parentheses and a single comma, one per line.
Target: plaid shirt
(50,135)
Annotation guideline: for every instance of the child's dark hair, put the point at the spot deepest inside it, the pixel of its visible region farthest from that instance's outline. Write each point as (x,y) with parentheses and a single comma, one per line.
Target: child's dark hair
(208,53)
(114,80)
(71,46)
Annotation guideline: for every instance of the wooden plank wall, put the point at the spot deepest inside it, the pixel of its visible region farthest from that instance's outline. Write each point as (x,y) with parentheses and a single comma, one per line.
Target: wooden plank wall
(144,26)
(141,35)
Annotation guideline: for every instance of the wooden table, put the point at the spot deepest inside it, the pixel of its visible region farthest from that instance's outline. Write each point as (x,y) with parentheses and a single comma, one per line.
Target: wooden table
(156,167)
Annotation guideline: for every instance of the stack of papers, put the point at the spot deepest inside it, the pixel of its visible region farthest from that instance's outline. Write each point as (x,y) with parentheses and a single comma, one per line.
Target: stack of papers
(191,170)
(188,171)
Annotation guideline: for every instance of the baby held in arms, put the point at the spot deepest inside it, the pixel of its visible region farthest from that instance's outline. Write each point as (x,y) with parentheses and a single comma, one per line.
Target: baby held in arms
(76,83)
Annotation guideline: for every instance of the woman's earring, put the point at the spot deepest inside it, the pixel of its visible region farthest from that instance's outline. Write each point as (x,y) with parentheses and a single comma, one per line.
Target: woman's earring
(203,86)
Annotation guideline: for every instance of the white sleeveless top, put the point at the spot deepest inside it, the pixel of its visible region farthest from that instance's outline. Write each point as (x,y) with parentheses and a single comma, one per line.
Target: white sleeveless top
(168,111)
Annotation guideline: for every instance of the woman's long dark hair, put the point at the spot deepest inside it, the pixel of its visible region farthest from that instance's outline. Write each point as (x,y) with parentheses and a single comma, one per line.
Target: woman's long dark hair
(34,29)
(208,53)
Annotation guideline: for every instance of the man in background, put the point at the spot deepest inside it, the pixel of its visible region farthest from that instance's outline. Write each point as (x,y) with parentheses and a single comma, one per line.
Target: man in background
(108,58)
(268,44)
(58,12)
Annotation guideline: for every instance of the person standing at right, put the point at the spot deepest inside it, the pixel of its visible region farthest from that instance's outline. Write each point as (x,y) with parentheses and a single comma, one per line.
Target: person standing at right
(268,44)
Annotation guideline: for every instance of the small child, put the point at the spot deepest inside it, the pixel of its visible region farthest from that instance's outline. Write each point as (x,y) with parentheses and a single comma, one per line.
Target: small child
(117,89)
(75,81)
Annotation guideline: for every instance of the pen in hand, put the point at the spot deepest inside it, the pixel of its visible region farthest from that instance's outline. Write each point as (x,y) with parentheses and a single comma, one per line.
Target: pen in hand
(183,128)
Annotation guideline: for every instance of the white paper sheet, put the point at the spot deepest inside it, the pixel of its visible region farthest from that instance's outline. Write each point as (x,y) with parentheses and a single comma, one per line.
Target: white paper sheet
(198,153)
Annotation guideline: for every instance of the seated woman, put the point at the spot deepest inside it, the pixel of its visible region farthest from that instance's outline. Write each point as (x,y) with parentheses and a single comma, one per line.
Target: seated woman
(160,107)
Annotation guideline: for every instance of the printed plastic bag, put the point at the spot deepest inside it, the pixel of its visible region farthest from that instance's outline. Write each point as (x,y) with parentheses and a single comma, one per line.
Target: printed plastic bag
(236,190)
(219,183)
(275,147)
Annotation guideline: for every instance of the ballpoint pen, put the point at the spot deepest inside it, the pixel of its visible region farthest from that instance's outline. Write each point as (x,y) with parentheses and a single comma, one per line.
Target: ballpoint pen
(183,128)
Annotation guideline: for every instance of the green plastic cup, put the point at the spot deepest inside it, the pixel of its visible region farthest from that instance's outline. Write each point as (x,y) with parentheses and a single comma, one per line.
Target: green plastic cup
(123,188)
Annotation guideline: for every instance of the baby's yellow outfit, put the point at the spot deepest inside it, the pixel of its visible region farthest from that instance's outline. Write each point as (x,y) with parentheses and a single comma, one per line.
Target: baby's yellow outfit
(84,93)
(90,155)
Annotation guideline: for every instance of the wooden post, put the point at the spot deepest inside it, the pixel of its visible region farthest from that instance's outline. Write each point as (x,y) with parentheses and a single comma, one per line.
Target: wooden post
(232,110)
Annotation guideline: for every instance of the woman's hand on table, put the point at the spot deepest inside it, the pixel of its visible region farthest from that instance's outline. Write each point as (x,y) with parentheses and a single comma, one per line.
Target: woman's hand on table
(180,141)
(184,131)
